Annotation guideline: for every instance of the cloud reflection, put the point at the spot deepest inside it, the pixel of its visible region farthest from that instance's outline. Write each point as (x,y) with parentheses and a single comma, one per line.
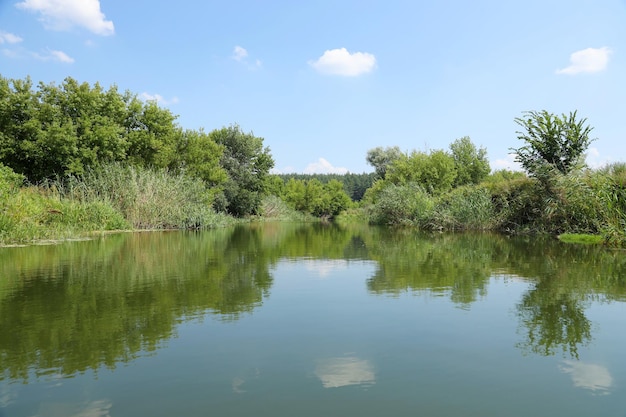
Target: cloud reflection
(98,408)
(344,371)
(589,376)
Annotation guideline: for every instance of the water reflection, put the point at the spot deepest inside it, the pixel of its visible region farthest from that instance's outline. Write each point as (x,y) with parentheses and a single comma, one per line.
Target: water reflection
(592,377)
(69,308)
(98,408)
(343,371)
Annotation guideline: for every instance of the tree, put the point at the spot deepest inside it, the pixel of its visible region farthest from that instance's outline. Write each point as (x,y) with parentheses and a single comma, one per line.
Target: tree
(435,171)
(247,164)
(552,142)
(200,158)
(472,165)
(381,158)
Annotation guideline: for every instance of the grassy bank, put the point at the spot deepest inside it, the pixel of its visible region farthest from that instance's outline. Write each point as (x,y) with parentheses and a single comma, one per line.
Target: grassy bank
(112,197)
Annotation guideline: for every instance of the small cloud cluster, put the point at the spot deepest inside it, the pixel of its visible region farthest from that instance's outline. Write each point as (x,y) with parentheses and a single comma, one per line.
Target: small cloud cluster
(240,54)
(342,62)
(588,61)
(6,37)
(159,99)
(322,166)
(66,14)
(52,55)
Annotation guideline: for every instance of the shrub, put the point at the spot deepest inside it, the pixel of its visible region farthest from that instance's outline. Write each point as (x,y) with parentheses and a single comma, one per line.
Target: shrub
(464,208)
(402,204)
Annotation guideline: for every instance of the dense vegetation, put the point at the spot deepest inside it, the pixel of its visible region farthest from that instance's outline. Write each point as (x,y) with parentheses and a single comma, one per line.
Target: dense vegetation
(76,158)
(453,190)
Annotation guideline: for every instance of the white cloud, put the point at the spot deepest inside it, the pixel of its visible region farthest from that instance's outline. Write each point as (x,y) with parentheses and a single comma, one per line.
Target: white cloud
(588,60)
(594,160)
(61,56)
(342,62)
(52,55)
(159,99)
(239,53)
(65,14)
(6,37)
(322,166)
(507,162)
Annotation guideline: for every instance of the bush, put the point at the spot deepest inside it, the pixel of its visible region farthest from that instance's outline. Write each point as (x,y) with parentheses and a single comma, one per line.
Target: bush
(402,205)
(10,182)
(464,208)
(518,204)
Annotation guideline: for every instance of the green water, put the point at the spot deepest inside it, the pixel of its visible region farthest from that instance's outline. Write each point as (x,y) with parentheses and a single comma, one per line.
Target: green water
(312,320)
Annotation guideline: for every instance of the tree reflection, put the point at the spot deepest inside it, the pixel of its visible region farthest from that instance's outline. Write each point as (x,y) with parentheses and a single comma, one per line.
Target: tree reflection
(78,306)
(553,320)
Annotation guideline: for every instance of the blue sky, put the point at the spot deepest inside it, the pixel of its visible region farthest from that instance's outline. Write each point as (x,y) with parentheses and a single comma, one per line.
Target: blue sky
(323,82)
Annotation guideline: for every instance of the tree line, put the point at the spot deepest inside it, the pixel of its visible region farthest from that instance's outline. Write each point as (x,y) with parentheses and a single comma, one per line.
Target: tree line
(50,130)
(75,132)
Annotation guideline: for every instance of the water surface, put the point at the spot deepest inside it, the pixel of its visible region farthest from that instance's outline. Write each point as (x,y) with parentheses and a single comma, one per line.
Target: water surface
(312,320)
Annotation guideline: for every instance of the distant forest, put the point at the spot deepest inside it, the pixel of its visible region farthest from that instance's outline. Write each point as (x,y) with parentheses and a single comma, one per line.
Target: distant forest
(354,185)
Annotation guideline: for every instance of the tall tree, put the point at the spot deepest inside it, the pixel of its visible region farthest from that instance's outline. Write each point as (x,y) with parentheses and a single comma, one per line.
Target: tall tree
(247,164)
(472,165)
(434,171)
(381,158)
(552,142)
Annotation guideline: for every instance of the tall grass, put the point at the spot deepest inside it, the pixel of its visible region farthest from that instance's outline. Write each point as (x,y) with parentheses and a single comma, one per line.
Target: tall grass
(148,199)
(35,213)
(112,197)
(464,208)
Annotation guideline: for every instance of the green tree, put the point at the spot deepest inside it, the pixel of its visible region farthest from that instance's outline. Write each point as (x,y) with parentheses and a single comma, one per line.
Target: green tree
(295,194)
(472,165)
(64,129)
(552,142)
(247,164)
(201,159)
(380,158)
(435,171)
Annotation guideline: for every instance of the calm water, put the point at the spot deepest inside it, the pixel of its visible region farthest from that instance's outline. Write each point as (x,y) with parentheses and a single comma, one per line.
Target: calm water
(293,320)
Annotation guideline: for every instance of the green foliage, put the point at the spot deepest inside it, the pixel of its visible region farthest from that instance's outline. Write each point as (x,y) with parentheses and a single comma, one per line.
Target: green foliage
(247,164)
(381,158)
(51,131)
(464,208)
(314,197)
(503,175)
(472,165)
(609,187)
(579,238)
(10,182)
(36,213)
(407,204)
(201,157)
(518,205)
(552,142)
(355,185)
(434,171)
(275,208)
